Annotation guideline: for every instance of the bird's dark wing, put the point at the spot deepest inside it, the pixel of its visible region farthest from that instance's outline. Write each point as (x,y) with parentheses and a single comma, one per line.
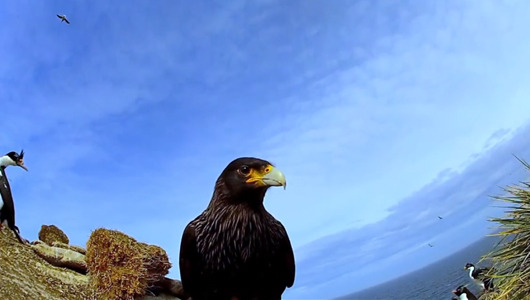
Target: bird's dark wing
(189,260)
(470,295)
(286,263)
(479,273)
(8,210)
(66,20)
(59,16)
(4,181)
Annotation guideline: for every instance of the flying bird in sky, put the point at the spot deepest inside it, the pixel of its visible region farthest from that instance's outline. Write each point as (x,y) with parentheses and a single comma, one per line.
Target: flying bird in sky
(63,19)
(440,217)
(235,249)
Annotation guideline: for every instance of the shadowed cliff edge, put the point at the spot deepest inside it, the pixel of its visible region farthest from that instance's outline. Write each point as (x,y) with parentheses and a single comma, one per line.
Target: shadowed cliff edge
(114,266)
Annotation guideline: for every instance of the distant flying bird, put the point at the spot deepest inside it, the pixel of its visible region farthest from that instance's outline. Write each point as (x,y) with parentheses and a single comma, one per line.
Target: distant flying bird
(63,18)
(464,293)
(440,217)
(430,245)
(479,277)
(235,249)
(7,206)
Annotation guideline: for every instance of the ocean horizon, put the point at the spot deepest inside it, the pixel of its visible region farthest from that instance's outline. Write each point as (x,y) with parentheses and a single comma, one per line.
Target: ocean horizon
(434,281)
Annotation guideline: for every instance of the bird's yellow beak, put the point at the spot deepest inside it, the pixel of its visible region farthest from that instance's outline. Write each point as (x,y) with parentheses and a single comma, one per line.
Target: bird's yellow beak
(20,163)
(267,176)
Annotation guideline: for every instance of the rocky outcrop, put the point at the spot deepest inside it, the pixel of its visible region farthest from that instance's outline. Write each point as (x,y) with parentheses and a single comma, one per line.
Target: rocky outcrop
(122,268)
(61,257)
(25,275)
(51,233)
(114,266)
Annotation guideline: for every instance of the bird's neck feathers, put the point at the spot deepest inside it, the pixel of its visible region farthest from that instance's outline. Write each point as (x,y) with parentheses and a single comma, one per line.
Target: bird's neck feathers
(471,269)
(6,161)
(249,198)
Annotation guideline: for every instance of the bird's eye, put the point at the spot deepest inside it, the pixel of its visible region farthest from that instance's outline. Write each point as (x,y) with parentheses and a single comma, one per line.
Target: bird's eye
(245,170)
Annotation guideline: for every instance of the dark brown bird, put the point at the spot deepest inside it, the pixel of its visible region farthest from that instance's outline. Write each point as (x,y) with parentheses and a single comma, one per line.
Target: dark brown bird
(235,249)
(63,19)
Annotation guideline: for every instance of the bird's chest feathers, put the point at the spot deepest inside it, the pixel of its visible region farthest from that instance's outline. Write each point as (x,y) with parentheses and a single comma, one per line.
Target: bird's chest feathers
(237,237)
(471,269)
(6,161)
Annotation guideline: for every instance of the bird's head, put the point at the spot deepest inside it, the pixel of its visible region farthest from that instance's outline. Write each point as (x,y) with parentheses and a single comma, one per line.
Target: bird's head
(460,290)
(249,175)
(469,265)
(18,159)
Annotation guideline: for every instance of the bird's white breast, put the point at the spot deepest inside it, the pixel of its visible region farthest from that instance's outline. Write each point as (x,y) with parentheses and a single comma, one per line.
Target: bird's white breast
(471,269)
(1,203)
(463,297)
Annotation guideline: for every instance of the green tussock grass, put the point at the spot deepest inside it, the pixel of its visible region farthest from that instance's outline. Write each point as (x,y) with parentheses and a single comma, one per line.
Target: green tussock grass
(511,259)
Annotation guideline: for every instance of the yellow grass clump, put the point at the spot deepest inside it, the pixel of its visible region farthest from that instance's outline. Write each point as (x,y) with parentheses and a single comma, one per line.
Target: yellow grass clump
(122,268)
(511,260)
(50,234)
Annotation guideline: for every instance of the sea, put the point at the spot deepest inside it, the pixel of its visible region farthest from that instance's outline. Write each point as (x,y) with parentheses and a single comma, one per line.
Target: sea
(435,281)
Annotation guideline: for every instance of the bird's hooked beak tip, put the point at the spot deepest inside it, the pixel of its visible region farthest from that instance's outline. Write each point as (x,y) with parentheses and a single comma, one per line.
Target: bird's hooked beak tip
(274,177)
(267,176)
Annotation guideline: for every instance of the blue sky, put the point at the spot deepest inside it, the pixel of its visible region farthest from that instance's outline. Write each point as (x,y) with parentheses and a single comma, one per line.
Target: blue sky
(381,114)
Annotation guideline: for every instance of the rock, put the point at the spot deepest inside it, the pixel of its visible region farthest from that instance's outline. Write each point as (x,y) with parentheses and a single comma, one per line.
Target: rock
(122,268)
(168,287)
(61,257)
(70,247)
(25,275)
(50,234)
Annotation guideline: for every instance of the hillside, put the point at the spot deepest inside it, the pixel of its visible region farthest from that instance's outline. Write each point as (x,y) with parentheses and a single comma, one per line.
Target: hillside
(60,271)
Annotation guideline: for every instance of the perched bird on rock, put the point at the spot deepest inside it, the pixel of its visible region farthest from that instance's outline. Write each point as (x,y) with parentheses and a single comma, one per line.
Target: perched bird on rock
(63,19)
(7,206)
(236,249)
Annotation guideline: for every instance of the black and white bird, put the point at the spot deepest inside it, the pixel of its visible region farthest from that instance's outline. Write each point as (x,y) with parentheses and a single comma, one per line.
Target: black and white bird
(479,276)
(63,19)
(7,206)
(463,293)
